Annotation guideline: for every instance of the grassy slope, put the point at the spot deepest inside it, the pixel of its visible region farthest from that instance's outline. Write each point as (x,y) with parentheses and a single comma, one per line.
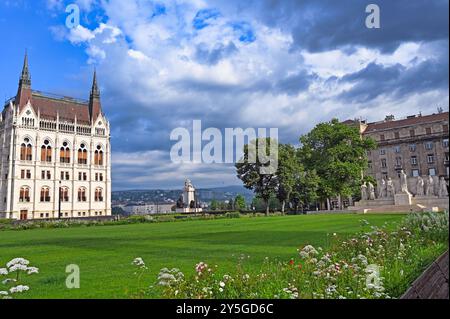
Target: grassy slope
(104,254)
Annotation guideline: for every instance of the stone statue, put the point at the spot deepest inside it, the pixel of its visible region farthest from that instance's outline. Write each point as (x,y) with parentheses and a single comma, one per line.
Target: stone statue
(403,182)
(420,186)
(443,192)
(390,188)
(429,186)
(187,184)
(371,191)
(180,202)
(364,191)
(382,188)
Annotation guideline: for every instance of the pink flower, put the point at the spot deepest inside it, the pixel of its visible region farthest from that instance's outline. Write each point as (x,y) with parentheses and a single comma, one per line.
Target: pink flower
(201,267)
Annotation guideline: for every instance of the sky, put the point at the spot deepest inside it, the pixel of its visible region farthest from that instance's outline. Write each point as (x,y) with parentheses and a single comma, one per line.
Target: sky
(286,64)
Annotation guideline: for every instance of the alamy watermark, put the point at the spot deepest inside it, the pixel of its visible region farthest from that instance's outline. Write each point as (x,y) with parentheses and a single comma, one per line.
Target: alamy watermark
(73,279)
(73,17)
(373,19)
(212,146)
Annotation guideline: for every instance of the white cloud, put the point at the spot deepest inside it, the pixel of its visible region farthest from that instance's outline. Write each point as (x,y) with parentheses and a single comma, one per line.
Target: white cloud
(80,34)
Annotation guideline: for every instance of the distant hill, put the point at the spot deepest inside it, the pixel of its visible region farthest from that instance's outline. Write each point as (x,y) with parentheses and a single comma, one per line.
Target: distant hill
(171,195)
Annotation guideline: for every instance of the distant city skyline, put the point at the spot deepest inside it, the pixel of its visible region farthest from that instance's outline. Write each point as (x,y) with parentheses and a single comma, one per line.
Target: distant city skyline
(289,65)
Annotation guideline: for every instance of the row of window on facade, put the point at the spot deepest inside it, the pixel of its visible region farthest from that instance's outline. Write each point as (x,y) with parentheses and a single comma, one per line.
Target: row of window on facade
(25,191)
(80,214)
(65,175)
(412,132)
(413,147)
(26,153)
(414,160)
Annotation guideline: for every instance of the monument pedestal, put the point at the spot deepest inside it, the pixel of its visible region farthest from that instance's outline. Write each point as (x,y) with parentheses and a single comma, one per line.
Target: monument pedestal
(403,199)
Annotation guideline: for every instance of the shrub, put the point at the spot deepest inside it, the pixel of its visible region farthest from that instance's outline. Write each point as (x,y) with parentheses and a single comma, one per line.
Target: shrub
(233,215)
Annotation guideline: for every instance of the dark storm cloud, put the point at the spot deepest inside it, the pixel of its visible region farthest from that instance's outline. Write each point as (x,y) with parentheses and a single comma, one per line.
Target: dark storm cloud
(397,81)
(293,84)
(329,24)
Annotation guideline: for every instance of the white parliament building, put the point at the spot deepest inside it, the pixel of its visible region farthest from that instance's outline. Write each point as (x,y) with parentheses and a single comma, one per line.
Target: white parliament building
(55,155)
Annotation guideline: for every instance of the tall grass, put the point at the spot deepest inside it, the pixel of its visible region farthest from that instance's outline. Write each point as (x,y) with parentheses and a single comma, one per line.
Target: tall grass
(374,263)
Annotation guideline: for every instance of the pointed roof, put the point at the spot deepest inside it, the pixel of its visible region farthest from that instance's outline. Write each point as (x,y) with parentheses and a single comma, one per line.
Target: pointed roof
(25,78)
(24,89)
(94,89)
(95,108)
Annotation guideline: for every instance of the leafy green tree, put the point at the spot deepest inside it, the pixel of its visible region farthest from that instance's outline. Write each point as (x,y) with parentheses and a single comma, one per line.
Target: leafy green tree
(305,191)
(288,166)
(239,202)
(338,154)
(258,175)
(214,205)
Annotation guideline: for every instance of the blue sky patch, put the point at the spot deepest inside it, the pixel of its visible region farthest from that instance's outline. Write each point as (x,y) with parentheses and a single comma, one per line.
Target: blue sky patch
(204,17)
(159,9)
(244,31)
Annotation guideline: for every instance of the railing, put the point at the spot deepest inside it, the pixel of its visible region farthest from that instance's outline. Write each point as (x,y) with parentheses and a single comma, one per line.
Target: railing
(47,125)
(84,130)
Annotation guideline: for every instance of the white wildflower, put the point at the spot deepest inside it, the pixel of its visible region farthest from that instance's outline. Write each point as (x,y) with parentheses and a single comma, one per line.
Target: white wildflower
(17,261)
(19,289)
(32,270)
(139,262)
(18,267)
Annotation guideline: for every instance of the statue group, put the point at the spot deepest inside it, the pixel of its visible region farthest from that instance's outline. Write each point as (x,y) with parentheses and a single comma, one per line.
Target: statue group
(386,188)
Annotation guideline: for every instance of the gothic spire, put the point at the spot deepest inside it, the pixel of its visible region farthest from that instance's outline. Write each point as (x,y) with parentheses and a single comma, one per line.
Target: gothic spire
(95,93)
(95,108)
(24,90)
(25,78)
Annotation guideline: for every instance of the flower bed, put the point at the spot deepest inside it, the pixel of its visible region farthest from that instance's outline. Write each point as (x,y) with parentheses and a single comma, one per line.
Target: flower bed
(375,263)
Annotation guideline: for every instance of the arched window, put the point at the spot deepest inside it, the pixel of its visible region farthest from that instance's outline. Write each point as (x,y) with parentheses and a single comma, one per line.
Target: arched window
(82,154)
(64,194)
(24,195)
(64,153)
(46,152)
(98,156)
(82,194)
(26,150)
(45,194)
(98,195)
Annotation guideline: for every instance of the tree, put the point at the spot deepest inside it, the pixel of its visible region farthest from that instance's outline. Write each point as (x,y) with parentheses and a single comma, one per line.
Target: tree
(256,174)
(338,154)
(214,205)
(305,190)
(239,202)
(288,165)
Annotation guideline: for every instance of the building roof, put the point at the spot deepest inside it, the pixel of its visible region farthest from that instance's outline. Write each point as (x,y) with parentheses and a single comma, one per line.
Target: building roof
(68,109)
(50,106)
(418,119)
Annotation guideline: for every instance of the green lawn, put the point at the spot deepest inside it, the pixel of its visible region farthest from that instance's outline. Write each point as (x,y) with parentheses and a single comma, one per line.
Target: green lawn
(104,254)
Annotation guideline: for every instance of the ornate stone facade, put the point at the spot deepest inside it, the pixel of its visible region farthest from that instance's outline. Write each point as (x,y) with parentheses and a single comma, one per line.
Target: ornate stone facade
(418,145)
(54,155)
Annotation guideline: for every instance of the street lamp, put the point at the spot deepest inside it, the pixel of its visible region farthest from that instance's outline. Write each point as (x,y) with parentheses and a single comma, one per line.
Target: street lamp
(59,202)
